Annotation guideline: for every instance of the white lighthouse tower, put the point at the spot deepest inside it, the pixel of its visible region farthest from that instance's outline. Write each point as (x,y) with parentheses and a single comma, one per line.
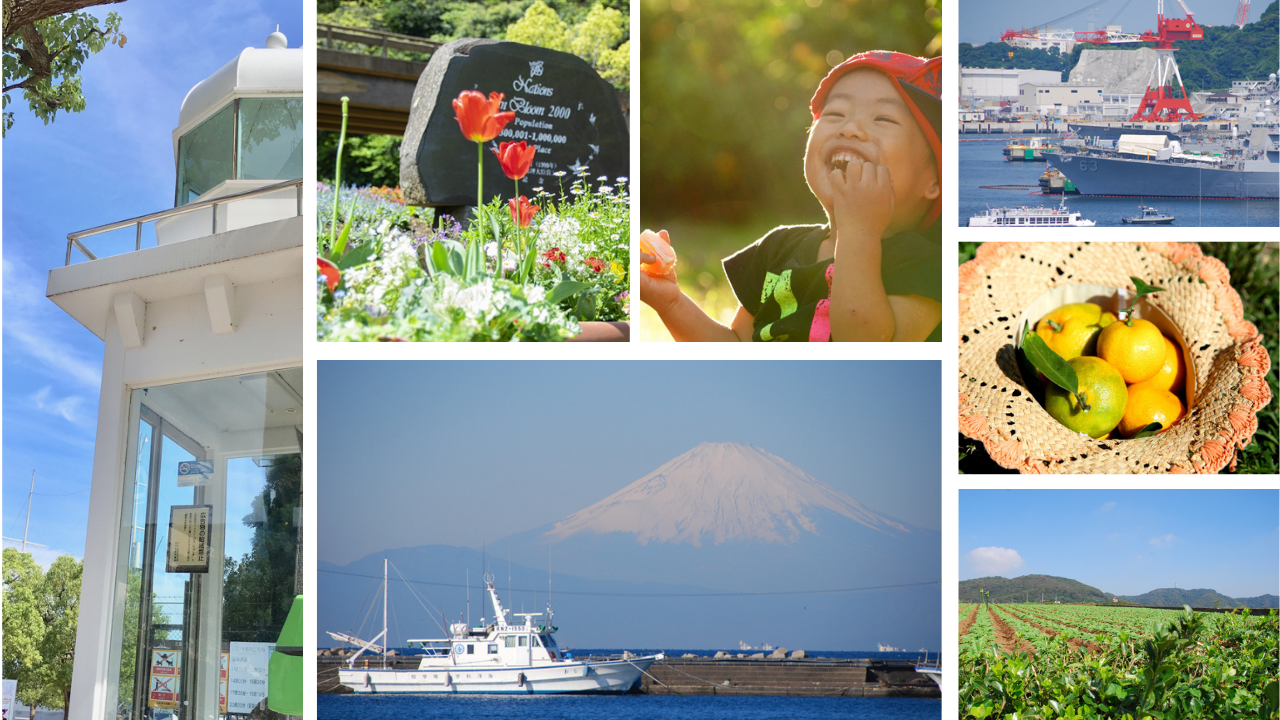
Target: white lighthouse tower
(194,545)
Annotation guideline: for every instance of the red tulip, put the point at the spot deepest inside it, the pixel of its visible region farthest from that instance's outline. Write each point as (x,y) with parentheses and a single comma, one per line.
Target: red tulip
(522,212)
(332,275)
(515,157)
(479,117)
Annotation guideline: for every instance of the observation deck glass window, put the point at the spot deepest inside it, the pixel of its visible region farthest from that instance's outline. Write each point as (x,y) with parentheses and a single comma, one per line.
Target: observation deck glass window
(204,156)
(270,139)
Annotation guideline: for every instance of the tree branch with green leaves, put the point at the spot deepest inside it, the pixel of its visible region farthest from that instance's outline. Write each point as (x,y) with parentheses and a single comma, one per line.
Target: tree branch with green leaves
(45,46)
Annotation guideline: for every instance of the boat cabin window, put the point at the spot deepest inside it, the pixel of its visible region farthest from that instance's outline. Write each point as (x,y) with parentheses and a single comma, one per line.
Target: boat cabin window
(493,649)
(510,640)
(524,641)
(534,642)
(471,649)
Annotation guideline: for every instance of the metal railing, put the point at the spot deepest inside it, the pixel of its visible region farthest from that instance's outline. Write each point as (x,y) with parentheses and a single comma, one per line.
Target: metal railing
(375,38)
(73,239)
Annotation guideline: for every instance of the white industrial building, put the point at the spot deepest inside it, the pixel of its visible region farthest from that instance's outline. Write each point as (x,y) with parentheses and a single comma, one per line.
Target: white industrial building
(1059,98)
(996,84)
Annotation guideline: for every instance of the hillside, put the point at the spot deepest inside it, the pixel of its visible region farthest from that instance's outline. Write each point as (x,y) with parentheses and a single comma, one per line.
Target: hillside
(1033,587)
(1199,597)
(1225,54)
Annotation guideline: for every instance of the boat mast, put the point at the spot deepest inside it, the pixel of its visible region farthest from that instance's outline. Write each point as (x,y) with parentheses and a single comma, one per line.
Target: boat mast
(385,644)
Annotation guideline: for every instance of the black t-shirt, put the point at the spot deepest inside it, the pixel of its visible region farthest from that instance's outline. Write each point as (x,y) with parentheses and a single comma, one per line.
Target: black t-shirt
(781,282)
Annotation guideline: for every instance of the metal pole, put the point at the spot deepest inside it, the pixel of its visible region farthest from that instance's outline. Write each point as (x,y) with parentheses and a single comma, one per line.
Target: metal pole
(385,639)
(29,496)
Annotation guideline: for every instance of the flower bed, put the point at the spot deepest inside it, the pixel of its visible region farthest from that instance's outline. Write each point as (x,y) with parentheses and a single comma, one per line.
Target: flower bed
(386,288)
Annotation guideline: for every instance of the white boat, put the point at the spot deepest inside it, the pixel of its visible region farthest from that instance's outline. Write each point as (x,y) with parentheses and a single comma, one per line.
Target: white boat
(498,658)
(1148,216)
(1029,217)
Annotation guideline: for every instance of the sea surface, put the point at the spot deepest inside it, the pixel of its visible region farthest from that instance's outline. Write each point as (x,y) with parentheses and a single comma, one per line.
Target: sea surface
(981,162)
(620,707)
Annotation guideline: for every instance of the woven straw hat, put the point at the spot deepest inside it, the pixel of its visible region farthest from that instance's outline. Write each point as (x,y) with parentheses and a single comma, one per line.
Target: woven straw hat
(1225,350)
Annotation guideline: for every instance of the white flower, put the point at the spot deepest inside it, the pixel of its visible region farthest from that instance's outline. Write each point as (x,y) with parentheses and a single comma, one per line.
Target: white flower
(536,294)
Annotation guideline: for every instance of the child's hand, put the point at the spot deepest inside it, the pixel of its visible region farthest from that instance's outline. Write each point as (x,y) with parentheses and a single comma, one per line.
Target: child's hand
(661,292)
(863,197)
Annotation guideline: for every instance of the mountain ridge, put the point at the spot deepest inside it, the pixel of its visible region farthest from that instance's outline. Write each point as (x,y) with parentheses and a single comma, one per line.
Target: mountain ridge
(721,492)
(1067,590)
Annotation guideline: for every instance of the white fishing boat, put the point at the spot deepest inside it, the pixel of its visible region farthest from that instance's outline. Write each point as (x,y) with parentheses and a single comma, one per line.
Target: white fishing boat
(1029,217)
(497,658)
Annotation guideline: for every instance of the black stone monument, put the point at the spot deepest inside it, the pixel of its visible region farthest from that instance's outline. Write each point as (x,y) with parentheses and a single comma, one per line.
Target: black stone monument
(562,106)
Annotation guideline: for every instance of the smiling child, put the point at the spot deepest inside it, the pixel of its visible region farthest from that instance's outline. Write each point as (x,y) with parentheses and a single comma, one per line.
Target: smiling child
(874,271)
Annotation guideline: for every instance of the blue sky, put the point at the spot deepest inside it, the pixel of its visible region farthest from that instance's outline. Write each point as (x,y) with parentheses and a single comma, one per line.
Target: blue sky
(111,162)
(1126,542)
(407,447)
(985,20)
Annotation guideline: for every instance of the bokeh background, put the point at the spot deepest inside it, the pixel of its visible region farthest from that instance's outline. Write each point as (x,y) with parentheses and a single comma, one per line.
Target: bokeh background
(1255,274)
(724,92)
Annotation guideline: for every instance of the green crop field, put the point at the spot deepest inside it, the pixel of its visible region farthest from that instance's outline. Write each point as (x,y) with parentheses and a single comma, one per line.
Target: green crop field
(1124,663)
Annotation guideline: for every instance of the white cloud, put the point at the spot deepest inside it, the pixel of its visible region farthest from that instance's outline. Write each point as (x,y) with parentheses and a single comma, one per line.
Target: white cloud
(1107,506)
(69,408)
(995,560)
(28,320)
(43,557)
(1163,540)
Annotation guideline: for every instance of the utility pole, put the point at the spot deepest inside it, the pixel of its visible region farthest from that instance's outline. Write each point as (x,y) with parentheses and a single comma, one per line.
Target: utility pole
(27,529)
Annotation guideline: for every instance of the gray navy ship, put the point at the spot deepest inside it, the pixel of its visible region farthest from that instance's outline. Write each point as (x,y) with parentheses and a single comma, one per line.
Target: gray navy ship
(1246,166)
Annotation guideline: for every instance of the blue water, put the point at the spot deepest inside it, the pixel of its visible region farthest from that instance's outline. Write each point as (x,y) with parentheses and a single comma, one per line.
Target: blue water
(620,707)
(981,162)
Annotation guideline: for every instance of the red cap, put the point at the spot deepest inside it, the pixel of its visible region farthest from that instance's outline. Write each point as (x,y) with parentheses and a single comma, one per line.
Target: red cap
(919,83)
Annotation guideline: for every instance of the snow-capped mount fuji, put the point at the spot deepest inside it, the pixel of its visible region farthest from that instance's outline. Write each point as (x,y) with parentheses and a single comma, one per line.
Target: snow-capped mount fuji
(736,518)
(717,493)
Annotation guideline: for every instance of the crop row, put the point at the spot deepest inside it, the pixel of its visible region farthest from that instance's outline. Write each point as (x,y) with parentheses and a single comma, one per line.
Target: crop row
(1136,663)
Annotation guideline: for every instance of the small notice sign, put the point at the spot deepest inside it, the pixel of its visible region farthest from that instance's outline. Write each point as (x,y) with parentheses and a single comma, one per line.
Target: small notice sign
(166,669)
(247,679)
(222,684)
(192,473)
(188,539)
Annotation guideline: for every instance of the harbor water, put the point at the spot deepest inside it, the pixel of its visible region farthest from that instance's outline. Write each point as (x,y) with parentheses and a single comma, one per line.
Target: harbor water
(982,162)
(621,707)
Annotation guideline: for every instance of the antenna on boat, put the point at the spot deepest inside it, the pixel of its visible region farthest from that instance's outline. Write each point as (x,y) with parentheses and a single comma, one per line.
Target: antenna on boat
(468,597)
(385,643)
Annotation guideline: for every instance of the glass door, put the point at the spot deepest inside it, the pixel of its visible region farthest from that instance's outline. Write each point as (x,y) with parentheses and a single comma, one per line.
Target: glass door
(211,545)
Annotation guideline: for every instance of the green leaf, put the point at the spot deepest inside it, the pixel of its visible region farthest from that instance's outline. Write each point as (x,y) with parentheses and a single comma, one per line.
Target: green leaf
(586,306)
(440,255)
(980,711)
(566,289)
(1143,288)
(1029,376)
(526,267)
(359,255)
(1050,363)
(425,259)
(340,245)
(1149,430)
(457,260)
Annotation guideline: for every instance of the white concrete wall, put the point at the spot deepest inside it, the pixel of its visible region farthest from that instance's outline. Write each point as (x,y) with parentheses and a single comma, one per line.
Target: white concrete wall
(180,346)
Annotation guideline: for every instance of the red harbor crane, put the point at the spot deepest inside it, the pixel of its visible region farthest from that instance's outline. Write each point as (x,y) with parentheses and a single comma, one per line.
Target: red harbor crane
(1242,14)
(1160,102)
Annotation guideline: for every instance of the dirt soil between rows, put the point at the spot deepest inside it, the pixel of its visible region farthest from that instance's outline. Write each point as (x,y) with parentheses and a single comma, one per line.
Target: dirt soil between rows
(1006,635)
(1075,642)
(967,623)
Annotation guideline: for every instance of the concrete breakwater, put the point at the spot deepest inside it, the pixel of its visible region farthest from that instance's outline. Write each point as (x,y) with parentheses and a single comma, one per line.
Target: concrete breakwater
(737,676)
